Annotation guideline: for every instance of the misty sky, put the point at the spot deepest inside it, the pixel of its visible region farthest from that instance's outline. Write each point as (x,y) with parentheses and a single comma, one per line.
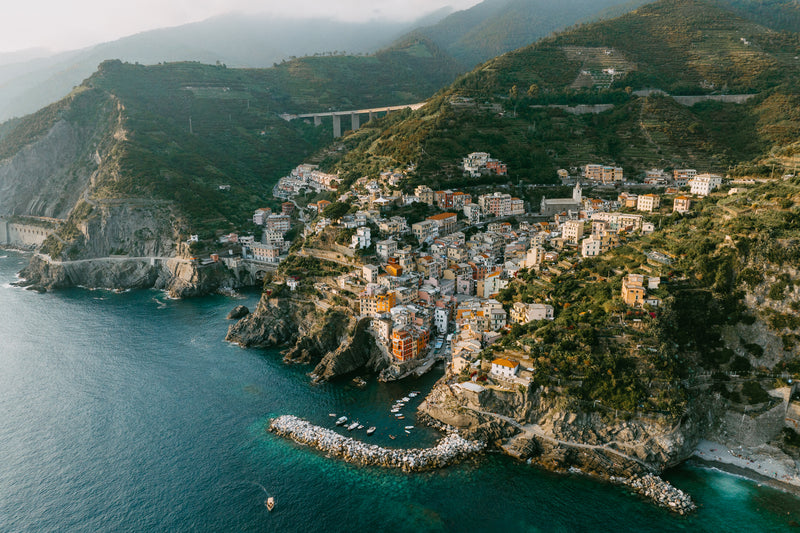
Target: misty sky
(69,24)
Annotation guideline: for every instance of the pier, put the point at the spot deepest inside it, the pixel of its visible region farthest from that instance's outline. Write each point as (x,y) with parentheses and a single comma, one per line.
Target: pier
(448,450)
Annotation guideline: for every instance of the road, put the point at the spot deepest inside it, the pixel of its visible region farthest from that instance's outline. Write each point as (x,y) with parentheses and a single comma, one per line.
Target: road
(536,431)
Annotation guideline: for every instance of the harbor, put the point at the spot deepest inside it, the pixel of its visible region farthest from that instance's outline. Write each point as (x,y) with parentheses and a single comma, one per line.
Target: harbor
(450,449)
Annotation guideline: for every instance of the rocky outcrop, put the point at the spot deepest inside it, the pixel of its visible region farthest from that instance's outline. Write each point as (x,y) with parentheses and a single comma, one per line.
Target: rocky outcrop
(312,332)
(180,278)
(240,311)
(559,436)
(361,352)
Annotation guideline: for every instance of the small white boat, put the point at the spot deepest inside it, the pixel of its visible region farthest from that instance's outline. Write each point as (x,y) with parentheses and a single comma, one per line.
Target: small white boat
(331,415)
(398,415)
(352,426)
(371,430)
(409,427)
(408,432)
(341,420)
(406,399)
(270,503)
(360,427)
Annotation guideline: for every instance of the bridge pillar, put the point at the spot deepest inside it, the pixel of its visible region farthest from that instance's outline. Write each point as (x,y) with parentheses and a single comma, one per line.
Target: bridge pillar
(317,120)
(355,119)
(372,116)
(337,126)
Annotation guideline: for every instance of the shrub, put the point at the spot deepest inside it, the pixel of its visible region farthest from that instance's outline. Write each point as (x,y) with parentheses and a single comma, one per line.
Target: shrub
(754,392)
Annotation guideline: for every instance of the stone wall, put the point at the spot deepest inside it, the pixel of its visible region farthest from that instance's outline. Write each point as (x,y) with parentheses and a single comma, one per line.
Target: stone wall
(24,235)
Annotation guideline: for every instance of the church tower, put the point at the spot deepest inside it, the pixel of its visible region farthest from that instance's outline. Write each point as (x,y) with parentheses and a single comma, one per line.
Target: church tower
(577,195)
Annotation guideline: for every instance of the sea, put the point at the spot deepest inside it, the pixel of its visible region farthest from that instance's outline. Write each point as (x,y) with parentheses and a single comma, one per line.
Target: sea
(129,412)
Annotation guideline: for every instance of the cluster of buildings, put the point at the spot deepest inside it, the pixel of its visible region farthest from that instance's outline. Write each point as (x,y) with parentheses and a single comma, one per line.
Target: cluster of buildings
(306,177)
(478,164)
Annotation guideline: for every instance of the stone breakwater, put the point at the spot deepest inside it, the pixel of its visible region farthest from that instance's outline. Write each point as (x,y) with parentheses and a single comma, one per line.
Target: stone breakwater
(660,491)
(448,450)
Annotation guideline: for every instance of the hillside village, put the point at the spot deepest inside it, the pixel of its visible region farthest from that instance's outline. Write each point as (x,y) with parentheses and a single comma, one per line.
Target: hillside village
(428,267)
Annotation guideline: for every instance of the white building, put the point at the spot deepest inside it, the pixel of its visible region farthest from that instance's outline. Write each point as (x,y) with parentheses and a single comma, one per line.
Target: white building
(703,184)
(361,239)
(647,202)
(385,248)
(504,368)
(370,273)
(441,319)
(573,231)
(473,213)
(522,313)
(591,246)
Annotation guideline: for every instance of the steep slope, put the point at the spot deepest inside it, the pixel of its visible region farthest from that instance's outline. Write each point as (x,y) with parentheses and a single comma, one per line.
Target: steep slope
(494,27)
(237,40)
(134,158)
(509,105)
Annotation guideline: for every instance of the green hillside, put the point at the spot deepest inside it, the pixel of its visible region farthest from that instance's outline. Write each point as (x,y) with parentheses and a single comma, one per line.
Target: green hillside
(189,128)
(494,27)
(682,47)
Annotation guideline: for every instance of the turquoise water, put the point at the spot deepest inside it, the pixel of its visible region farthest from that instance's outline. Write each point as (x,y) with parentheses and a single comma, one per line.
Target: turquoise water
(128,412)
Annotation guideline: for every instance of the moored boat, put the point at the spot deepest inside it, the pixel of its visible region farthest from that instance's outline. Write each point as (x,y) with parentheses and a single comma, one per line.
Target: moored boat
(341,420)
(409,427)
(371,430)
(352,426)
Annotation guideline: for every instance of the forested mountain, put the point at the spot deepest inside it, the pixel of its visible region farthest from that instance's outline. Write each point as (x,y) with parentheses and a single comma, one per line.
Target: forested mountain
(175,132)
(494,27)
(508,106)
(29,83)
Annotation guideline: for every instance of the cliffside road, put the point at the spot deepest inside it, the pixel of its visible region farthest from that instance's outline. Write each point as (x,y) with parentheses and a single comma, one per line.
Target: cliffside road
(536,431)
(119,259)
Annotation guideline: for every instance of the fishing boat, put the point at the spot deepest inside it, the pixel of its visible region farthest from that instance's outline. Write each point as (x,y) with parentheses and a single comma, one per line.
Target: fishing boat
(352,426)
(341,420)
(270,503)
(371,430)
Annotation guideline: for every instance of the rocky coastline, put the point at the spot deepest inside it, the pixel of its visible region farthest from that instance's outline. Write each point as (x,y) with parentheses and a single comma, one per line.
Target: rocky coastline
(450,449)
(661,492)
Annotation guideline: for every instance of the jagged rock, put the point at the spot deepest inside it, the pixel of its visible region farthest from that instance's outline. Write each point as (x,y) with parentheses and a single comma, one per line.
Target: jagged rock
(238,312)
(329,338)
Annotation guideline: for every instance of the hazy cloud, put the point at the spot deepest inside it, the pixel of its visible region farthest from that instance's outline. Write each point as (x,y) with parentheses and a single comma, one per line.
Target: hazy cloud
(64,25)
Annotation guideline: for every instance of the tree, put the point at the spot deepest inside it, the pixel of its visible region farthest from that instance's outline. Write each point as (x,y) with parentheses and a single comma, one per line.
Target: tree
(336,210)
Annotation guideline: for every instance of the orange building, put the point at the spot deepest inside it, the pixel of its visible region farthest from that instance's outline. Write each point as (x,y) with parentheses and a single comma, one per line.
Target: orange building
(633,291)
(409,342)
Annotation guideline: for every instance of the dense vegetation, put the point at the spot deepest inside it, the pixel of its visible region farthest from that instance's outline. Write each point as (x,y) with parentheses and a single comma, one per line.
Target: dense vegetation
(185,129)
(681,46)
(494,27)
(656,359)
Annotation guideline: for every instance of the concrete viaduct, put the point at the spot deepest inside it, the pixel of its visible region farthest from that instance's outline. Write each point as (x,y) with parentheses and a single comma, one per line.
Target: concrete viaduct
(355,116)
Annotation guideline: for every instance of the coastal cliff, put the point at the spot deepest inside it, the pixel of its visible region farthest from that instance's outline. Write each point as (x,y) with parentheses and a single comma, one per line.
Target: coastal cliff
(312,332)
(538,424)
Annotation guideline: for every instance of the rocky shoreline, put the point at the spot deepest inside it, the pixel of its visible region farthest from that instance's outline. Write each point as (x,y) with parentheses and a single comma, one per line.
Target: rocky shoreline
(661,492)
(450,449)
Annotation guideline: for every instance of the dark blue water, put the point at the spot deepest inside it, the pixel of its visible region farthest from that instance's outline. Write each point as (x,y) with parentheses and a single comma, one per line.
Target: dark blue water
(128,412)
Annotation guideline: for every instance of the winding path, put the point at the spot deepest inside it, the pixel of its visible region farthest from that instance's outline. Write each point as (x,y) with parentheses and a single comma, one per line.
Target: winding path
(536,431)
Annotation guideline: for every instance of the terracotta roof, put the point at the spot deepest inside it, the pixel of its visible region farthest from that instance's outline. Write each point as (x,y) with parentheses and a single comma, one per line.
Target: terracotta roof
(506,363)
(441,216)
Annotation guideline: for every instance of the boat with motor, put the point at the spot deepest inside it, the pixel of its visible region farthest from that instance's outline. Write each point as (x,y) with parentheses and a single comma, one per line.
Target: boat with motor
(370,430)
(331,415)
(360,427)
(270,503)
(352,426)
(409,427)
(341,420)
